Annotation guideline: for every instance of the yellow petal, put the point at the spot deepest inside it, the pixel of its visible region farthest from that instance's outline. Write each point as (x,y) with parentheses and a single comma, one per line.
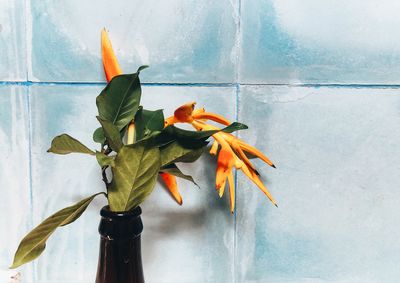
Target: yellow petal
(110,62)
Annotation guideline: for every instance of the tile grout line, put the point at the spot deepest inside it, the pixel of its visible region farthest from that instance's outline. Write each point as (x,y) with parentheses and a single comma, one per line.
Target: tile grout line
(30,169)
(27,66)
(26,40)
(222,85)
(237,86)
(236,190)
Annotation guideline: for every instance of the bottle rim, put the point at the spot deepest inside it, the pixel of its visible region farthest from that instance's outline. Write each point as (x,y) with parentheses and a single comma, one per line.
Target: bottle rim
(106,212)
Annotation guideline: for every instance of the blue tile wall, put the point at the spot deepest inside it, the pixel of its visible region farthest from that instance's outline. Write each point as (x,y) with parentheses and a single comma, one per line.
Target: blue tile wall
(328,42)
(14,172)
(183,41)
(316,81)
(13,54)
(336,185)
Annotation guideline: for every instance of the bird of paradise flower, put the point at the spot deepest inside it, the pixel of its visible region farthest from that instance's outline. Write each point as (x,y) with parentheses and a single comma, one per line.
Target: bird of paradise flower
(231,150)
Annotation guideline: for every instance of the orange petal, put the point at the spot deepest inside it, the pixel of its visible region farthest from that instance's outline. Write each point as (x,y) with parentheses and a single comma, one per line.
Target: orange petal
(212,116)
(224,166)
(252,176)
(231,191)
(231,139)
(170,181)
(110,62)
(169,121)
(220,177)
(184,113)
(222,189)
(254,151)
(243,156)
(214,148)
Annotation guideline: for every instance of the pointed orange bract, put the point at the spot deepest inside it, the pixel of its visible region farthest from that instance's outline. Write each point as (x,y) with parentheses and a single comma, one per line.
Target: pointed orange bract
(170,181)
(254,151)
(110,62)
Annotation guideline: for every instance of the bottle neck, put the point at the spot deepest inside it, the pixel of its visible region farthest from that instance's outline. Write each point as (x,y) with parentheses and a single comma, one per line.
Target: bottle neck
(120,258)
(120,225)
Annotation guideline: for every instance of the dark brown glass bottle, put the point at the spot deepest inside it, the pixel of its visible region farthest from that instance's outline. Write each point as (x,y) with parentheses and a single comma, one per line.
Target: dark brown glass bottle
(120,259)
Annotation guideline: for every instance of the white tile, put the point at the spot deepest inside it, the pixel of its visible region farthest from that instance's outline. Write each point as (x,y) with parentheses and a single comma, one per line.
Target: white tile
(12,41)
(14,174)
(311,41)
(182,41)
(336,150)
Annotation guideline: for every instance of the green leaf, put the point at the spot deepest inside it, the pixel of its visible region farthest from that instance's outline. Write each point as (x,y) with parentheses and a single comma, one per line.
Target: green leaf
(147,122)
(33,244)
(64,144)
(172,133)
(185,134)
(141,68)
(111,133)
(98,136)
(104,160)
(134,176)
(174,170)
(235,126)
(120,99)
(179,152)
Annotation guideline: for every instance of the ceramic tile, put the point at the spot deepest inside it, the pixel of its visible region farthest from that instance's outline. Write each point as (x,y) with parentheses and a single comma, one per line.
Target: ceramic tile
(336,150)
(182,41)
(14,173)
(12,41)
(192,239)
(196,240)
(329,42)
(59,181)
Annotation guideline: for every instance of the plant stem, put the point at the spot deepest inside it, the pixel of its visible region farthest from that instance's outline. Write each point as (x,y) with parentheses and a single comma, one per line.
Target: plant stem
(104,174)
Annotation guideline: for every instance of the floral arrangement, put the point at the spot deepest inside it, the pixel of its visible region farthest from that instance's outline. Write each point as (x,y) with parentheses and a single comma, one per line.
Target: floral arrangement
(138,145)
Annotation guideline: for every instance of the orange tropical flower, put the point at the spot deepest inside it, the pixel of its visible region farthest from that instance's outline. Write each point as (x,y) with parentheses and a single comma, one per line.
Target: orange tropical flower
(232,150)
(112,69)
